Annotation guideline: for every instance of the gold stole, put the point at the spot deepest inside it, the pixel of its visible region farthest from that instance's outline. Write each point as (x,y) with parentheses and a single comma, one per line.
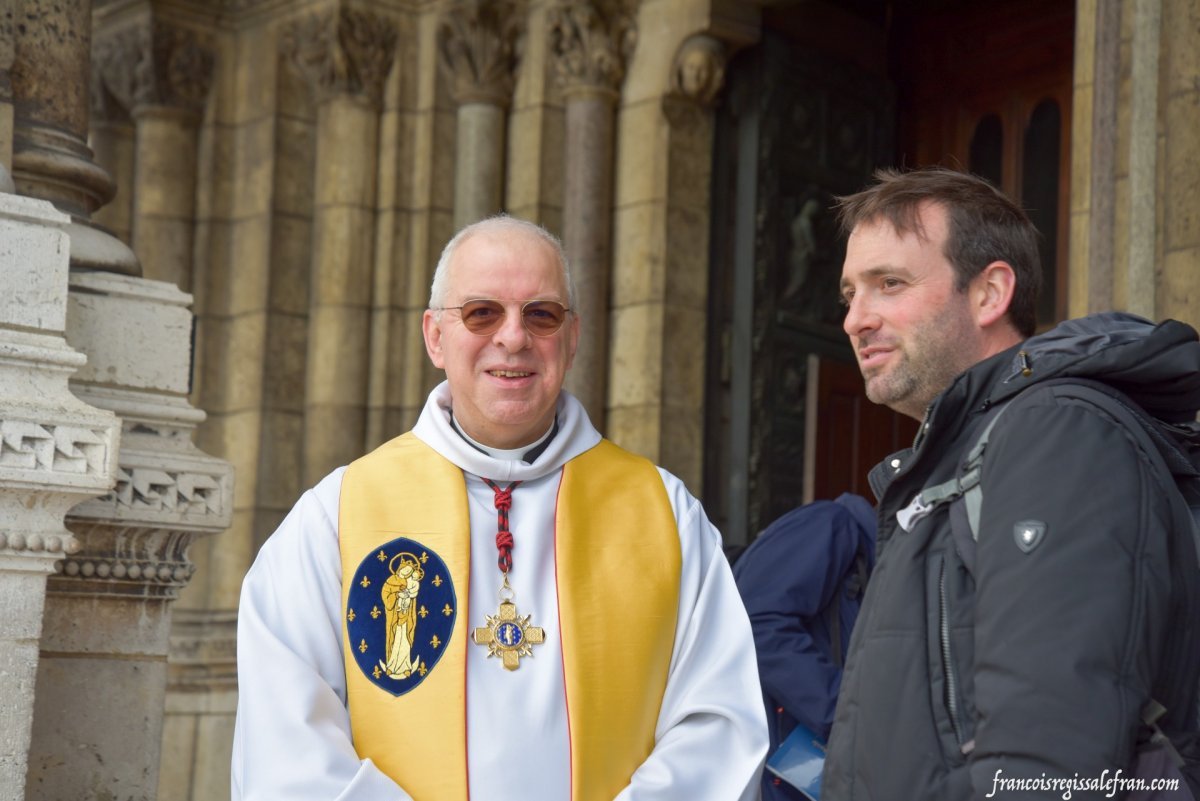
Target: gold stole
(617,557)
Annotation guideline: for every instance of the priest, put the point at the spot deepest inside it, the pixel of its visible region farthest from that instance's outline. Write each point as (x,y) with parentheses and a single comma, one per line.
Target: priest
(499,604)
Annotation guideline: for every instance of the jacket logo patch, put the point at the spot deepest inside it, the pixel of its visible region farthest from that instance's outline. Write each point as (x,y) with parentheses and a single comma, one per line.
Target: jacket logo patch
(400,614)
(1029,534)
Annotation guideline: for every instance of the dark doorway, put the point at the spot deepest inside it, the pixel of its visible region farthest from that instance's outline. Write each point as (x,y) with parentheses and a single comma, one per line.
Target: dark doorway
(833,91)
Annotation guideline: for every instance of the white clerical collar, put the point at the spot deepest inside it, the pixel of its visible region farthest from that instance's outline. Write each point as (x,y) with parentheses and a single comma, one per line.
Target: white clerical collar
(526,453)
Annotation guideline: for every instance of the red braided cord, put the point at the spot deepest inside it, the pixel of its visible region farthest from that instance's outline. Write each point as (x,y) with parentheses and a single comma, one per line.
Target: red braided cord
(504,537)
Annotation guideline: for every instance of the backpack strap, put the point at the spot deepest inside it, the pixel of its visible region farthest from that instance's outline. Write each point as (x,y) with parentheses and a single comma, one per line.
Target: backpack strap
(965,485)
(1164,446)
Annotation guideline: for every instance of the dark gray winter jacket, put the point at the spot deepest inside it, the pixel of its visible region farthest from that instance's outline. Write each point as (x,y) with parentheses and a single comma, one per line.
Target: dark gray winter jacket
(1033,663)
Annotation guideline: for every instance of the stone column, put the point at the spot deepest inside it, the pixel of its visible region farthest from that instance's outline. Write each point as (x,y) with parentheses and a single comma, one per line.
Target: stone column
(477,46)
(171,80)
(590,41)
(1179,290)
(51,159)
(103,670)
(697,76)
(345,54)
(111,129)
(7,36)
(54,452)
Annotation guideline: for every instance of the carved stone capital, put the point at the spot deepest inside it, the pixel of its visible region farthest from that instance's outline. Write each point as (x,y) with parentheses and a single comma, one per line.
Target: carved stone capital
(590,41)
(478,47)
(343,52)
(150,64)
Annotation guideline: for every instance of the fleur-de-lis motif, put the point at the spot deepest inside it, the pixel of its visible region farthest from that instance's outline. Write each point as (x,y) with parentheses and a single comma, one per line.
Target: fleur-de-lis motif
(447,610)
(375,613)
(350,616)
(362,646)
(423,612)
(437,581)
(435,642)
(366,582)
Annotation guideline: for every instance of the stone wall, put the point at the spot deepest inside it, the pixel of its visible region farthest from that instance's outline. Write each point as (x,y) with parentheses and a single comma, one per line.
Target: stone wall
(1135,163)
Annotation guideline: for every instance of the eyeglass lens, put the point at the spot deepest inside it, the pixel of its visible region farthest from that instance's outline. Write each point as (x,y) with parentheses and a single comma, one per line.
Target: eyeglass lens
(541,317)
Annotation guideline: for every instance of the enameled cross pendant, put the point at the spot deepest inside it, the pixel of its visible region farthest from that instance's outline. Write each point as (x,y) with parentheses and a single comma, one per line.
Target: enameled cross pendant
(508,636)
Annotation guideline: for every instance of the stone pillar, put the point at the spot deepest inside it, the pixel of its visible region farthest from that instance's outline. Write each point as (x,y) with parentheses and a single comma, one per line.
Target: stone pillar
(1135,243)
(590,40)
(172,76)
(477,45)
(1179,195)
(103,670)
(50,158)
(112,133)
(7,52)
(54,452)
(345,54)
(697,75)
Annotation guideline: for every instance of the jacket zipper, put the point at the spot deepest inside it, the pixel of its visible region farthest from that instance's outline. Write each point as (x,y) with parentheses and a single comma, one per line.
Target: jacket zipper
(947,657)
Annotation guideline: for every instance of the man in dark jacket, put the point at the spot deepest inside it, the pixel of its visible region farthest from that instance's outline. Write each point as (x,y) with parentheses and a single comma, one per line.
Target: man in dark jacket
(802,581)
(1033,657)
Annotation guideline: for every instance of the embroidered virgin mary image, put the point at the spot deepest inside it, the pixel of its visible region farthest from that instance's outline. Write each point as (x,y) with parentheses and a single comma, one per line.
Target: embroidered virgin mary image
(400,614)
(399,596)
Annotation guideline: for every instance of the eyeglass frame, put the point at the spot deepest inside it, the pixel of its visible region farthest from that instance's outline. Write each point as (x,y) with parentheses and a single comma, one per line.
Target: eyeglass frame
(566,310)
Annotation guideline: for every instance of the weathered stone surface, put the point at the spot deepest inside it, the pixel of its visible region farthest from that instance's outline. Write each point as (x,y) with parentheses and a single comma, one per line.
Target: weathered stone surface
(343,52)
(477,46)
(136,333)
(591,41)
(54,452)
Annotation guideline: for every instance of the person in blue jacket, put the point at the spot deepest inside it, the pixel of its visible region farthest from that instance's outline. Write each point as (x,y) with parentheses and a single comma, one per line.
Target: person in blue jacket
(802,581)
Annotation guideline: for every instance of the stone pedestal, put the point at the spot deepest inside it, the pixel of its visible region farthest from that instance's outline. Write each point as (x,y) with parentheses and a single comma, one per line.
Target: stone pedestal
(103,665)
(54,452)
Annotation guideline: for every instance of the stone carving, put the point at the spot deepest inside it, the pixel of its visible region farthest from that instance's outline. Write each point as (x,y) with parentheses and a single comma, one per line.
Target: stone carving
(157,490)
(343,52)
(132,560)
(699,69)
(478,47)
(153,64)
(26,445)
(51,543)
(591,41)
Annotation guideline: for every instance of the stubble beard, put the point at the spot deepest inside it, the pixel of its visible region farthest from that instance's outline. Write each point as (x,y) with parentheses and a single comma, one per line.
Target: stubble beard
(930,358)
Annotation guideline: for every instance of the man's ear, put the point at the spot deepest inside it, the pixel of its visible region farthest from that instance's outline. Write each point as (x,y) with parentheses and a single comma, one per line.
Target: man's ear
(992,293)
(432,332)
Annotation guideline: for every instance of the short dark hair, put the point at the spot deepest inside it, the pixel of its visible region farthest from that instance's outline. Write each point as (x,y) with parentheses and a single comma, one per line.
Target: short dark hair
(984,226)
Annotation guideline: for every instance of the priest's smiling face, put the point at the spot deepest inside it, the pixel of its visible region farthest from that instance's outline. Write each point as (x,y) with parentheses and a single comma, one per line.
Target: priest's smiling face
(504,386)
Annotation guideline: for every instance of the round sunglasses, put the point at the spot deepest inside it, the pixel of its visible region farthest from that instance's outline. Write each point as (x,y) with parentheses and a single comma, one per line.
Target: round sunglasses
(542,318)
